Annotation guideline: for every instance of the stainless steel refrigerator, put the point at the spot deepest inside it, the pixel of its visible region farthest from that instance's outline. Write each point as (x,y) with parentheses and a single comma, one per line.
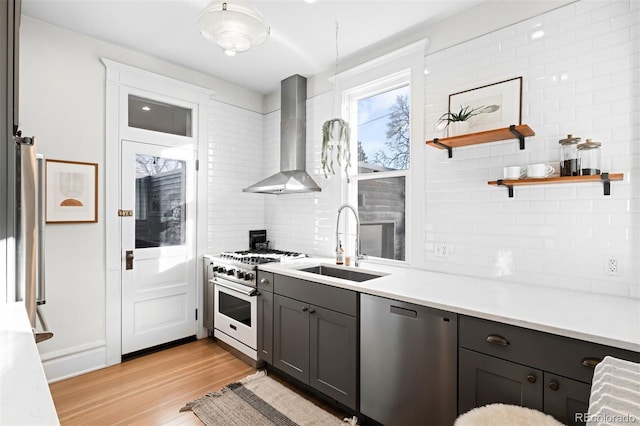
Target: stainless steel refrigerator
(21,187)
(30,273)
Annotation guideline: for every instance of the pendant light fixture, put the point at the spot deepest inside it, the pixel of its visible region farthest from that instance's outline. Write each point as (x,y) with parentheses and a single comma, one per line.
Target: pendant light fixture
(235,26)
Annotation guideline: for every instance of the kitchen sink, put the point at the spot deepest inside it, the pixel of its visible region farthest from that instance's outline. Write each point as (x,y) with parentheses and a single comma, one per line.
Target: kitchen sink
(345,274)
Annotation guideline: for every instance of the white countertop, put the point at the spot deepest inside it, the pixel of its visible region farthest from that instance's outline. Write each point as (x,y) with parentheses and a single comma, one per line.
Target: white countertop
(25,398)
(608,320)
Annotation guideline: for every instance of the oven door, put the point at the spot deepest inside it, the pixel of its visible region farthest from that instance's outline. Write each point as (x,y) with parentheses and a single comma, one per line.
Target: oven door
(236,311)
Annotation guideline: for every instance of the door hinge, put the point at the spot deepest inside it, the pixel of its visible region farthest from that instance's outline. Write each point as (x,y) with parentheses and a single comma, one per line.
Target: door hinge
(125,213)
(196,314)
(197,165)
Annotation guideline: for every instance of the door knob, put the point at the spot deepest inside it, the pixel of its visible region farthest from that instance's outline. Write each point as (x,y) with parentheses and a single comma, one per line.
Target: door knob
(128,259)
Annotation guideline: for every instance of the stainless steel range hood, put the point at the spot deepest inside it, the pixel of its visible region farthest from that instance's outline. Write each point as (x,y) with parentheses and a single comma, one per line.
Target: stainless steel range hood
(292,177)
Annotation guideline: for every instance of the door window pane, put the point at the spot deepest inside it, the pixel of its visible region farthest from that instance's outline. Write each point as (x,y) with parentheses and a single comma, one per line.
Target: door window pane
(160,201)
(381,209)
(383,131)
(153,115)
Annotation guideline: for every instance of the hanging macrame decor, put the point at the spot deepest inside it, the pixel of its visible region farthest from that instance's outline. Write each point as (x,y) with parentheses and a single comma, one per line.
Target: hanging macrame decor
(336,135)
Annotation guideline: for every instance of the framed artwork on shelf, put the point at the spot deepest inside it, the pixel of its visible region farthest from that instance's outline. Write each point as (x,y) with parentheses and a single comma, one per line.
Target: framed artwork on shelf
(71,192)
(493,106)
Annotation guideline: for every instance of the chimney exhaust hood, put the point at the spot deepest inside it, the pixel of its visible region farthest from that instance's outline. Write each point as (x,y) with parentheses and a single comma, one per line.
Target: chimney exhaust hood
(292,177)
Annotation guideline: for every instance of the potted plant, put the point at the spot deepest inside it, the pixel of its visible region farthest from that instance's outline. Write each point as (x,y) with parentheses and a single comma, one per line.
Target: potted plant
(336,146)
(456,122)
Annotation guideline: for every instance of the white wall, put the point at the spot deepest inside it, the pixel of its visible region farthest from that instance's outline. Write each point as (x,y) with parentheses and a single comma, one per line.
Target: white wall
(580,78)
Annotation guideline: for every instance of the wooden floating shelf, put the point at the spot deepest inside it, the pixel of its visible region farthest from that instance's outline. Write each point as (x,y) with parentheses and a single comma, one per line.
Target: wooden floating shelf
(605,178)
(506,133)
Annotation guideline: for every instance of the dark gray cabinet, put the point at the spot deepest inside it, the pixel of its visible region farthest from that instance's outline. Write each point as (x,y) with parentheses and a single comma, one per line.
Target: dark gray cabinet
(332,354)
(291,337)
(563,397)
(484,379)
(515,365)
(265,316)
(9,90)
(315,336)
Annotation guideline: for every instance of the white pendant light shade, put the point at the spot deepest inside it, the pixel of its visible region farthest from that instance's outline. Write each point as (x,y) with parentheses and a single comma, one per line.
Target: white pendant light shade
(236,26)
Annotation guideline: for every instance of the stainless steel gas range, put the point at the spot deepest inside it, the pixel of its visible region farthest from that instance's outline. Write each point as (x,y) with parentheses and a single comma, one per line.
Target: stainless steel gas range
(231,296)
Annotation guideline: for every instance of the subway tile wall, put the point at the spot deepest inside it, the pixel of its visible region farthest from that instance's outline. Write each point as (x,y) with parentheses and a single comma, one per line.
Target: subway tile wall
(303,222)
(581,77)
(235,160)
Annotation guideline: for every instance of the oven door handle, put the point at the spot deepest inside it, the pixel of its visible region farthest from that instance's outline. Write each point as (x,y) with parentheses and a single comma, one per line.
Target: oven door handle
(248,291)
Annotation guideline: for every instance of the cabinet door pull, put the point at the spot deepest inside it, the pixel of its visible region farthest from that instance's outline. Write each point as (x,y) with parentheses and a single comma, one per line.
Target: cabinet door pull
(553,385)
(312,311)
(305,309)
(264,281)
(497,340)
(404,312)
(590,362)
(531,378)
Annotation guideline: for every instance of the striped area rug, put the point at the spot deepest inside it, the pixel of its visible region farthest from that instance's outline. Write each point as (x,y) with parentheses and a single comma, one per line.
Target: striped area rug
(259,400)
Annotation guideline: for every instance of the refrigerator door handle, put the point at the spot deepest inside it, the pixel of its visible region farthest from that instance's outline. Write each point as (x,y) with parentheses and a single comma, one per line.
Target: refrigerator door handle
(45,334)
(41,298)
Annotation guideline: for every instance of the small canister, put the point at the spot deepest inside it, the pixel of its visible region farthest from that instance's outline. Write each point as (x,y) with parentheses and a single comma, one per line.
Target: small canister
(569,161)
(589,156)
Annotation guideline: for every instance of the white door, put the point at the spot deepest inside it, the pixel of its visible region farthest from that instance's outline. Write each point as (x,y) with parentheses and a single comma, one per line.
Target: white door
(158,245)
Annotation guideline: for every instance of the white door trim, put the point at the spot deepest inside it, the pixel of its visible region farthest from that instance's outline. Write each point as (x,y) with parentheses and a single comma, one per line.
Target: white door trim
(124,78)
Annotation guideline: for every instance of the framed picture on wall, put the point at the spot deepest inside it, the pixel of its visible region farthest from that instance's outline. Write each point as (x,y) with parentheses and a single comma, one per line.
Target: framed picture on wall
(71,192)
(495,106)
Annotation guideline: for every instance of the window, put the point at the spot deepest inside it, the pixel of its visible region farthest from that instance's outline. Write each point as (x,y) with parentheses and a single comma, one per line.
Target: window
(380,113)
(158,116)
(160,201)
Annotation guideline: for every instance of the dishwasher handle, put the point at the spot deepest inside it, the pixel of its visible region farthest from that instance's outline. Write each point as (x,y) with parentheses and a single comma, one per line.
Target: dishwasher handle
(409,313)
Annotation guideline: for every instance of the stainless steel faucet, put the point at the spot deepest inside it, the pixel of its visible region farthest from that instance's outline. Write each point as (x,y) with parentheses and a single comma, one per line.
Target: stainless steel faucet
(358,256)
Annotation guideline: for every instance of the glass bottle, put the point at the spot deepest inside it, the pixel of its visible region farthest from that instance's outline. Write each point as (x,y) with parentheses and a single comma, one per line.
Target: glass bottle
(569,161)
(589,156)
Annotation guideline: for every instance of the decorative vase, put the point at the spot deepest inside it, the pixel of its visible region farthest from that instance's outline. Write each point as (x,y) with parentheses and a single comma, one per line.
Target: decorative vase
(457,128)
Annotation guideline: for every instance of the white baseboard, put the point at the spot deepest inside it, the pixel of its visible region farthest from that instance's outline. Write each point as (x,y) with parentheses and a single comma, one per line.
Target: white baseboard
(60,365)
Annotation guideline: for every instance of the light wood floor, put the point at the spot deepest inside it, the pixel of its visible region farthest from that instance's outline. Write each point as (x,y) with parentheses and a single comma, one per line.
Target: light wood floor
(149,390)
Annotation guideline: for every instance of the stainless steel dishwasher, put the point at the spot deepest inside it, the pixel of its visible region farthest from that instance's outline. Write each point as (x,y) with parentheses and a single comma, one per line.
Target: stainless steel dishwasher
(408,363)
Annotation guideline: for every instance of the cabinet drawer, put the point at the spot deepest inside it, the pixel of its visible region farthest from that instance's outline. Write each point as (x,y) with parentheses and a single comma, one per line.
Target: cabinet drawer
(549,352)
(326,296)
(264,281)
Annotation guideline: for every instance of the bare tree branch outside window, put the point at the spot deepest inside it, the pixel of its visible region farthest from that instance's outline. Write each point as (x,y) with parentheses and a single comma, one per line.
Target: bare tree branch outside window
(397,154)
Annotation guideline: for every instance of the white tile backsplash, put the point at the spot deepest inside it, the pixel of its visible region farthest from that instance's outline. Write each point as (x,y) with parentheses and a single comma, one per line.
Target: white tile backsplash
(579,78)
(235,161)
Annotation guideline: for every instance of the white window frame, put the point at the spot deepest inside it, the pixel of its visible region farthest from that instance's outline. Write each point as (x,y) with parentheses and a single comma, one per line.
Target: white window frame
(352,97)
(394,69)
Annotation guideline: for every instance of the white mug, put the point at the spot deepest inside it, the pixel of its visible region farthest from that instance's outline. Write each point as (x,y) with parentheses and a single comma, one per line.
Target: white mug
(540,170)
(514,172)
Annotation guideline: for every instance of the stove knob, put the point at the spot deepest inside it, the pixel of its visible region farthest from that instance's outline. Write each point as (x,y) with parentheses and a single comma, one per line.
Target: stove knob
(216,268)
(230,272)
(221,270)
(248,276)
(240,274)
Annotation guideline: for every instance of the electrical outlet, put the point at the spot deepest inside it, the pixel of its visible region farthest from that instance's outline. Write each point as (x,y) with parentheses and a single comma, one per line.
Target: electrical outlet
(611,266)
(441,250)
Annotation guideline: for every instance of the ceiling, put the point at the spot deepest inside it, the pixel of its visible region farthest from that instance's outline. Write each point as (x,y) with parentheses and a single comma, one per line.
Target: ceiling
(302,39)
